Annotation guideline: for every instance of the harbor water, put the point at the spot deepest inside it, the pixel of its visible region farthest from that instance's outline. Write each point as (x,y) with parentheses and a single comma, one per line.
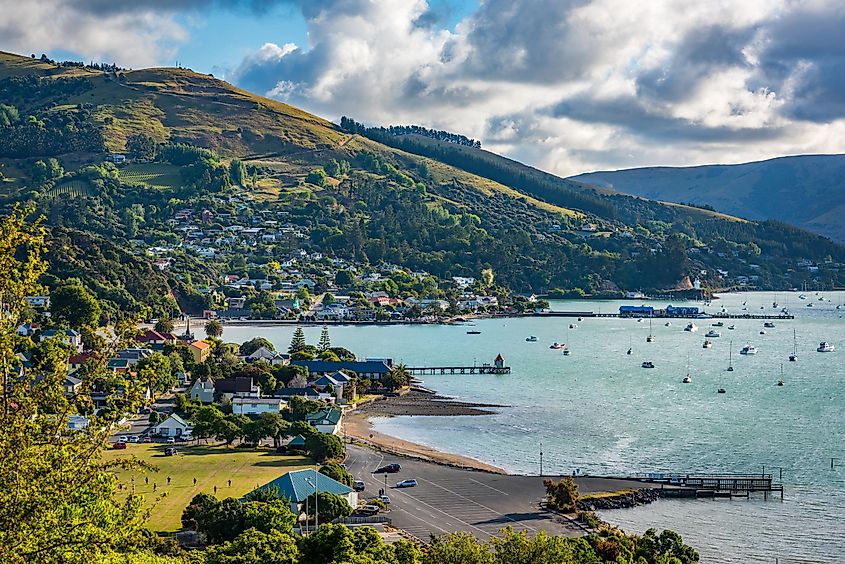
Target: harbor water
(598,411)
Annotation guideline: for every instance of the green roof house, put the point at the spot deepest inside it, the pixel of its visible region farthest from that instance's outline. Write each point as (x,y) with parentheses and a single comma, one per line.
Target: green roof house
(326,420)
(299,484)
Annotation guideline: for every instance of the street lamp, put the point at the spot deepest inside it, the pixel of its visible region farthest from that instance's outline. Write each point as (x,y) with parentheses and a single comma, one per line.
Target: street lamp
(541,459)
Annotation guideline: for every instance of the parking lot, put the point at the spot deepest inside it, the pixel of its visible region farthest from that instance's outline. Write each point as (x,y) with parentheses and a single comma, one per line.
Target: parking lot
(448,499)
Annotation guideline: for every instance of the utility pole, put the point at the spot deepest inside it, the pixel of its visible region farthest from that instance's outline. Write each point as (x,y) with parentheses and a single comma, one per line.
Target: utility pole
(541,459)
(316,501)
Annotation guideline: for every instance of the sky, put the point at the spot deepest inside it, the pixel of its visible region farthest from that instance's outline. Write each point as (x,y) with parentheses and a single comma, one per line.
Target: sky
(568,86)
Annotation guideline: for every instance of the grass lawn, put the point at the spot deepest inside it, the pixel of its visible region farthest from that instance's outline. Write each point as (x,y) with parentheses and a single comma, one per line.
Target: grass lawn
(210,465)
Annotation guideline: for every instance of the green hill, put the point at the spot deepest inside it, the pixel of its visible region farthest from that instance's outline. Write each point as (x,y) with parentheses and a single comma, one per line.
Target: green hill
(359,193)
(806,190)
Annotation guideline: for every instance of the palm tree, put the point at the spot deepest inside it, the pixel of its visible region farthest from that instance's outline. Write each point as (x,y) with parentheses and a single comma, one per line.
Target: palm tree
(164,325)
(398,377)
(214,328)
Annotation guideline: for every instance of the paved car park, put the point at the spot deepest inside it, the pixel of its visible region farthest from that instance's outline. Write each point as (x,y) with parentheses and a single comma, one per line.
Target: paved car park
(447,500)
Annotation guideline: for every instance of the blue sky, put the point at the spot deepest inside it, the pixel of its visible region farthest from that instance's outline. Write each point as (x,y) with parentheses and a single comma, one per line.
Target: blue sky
(566,85)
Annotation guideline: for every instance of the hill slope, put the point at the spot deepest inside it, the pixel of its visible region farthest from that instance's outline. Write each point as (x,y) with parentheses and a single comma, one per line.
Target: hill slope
(349,192)
(807,191)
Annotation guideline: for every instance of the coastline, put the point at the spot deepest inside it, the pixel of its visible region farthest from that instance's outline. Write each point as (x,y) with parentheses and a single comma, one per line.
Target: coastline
(358,427)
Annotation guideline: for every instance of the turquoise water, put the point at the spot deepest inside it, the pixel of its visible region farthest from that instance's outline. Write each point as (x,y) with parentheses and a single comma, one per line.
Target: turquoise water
(597,410)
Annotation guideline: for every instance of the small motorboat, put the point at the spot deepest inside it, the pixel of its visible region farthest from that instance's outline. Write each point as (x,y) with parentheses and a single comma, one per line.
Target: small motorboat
(718,324)
(573,326)
(721,391)
(810,305)
(691,327)
(802,297)
(640,320)
(731,327)
(566,351)
(557,346)
(629,351)
(648,364)
(531,339)
(762,331)
(580,319)
(687,379)
(748,349)
(708,344)
(825,347)
(668,324)
(473,332)
(713,333)
(769,325)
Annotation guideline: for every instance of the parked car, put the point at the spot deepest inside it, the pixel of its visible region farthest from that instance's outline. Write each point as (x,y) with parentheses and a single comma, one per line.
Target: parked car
(135,439)
(389,469)
(184,438)
(384,499)
(367,510)
(119,445)
(148,439)
(406,484)
(359,485)
(171,440)
(170,451)
(123,439)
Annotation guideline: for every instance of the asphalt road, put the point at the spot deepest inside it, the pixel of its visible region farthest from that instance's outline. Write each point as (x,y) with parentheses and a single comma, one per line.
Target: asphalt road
(449,499)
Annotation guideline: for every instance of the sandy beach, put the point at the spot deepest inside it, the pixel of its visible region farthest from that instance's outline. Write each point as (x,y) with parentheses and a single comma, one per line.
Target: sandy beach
(357,425)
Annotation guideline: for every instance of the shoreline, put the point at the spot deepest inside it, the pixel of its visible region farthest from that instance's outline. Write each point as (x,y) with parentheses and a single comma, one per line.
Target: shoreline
(357,426)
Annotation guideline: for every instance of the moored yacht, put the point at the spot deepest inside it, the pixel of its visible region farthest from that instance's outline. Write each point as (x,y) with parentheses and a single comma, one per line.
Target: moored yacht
(769,325)
(691,327)
(748,349)
(531,339)
(556,345)
(707,344)
(718,324)
(648,364)
(731,327)
(713,333)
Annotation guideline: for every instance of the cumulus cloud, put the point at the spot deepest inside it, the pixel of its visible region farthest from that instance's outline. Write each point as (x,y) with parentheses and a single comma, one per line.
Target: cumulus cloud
(573,85)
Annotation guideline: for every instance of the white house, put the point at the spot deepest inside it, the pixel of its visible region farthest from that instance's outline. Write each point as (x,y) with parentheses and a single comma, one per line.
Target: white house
(265,354)
(326,420)
(173,426)
(77,422)
(257,406)
(202,390)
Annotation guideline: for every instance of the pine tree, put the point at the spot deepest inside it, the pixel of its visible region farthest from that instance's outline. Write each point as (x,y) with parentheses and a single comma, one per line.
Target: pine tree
(298,341)
(325,342)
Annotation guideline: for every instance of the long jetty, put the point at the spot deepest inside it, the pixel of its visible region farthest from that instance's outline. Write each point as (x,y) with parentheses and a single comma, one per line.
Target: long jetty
(781,316)
(477,369)
(713,485)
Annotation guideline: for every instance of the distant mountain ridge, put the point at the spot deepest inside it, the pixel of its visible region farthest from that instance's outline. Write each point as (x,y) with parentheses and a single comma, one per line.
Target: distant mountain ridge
(804,190)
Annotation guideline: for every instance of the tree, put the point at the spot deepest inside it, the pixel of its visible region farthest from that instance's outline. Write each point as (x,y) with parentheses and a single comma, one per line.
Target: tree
(338,473)
(317,177)
(487,278)
(254,344)
(164,325)
(458,548)
(75,305)
(300,406)
(344,278)
(59,500)
(206,420)
(398,377)
(562,495)
(269,515)
(254,431)
(214,328)
(155,371)
(199,505)
(661,548)
(141,147)
(330,506)
(255,547)
(297,343)
(275,426)
(323,446)
(325,342)
(237,172)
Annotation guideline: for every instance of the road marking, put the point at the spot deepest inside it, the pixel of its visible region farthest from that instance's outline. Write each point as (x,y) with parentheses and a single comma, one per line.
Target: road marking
(476,503)
(486,486)
(443,512)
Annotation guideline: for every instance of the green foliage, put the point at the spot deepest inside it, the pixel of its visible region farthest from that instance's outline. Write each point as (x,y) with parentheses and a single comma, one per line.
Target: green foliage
(75,305)
(330,506)
(156,372)
(323,446)
(297,343)
(141,147)
(8,115)
(255,547)
(43,171)
(237,172)
(254,344)
(337,472)
(562,495)
(325,341)
(398,377)
(164,325)
(317,177)
(214,328)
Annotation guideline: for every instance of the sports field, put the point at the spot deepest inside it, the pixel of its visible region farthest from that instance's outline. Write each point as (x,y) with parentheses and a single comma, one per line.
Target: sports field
(210,465)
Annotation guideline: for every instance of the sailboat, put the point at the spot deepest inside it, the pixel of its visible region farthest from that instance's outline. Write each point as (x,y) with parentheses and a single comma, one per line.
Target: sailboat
(731,357)
(687,379)
(794,356)
(650,338)
(780,382)
(630,348)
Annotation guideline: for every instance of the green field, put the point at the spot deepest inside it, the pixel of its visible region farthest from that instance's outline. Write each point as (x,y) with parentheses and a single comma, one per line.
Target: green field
(154,175)
(210,465)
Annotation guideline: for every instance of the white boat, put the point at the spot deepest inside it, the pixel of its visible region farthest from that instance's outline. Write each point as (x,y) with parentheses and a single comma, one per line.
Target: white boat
(825,347)
(565,350)
(556,345)
(691,327)
(794,356)
(707,344)
(762,331)
(718,324)
(731,357)
(802,297)
(580,319)
(713,333)
(748,349)
(668,324)
(573,326)
(687,379)
(731,327)
(648,364)
(650,338)
(531,339)
(769,324)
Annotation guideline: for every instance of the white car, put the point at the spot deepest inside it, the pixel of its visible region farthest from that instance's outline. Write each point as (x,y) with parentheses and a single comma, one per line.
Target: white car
(171,440)
(123,439)
(384,499)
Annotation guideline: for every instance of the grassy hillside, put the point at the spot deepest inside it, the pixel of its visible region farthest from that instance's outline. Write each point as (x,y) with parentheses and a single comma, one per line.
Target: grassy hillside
(808,190)
(424,203)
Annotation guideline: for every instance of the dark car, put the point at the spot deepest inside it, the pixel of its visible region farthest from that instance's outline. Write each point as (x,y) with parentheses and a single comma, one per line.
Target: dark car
(170,451)
(389,469)
(359,485)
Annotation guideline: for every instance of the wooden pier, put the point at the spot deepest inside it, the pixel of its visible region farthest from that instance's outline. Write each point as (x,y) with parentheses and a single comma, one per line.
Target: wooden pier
(780,316)
(479,369)
(715,485)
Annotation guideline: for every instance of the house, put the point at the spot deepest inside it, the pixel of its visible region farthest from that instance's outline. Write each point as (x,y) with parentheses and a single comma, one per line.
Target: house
(154,339)
(173,426)
(256,406)
(296,443)
(118,364)
(116,158)
(202,390)
(236,303)
(200,350)
(265,354)
(326,420)
(133,355)
(71,385)
(287,393)
(239,386)
(298,485)
(67,336)
(76,361)
(42,302)
(369,369)
(77,422)
(325,381)
(26,329)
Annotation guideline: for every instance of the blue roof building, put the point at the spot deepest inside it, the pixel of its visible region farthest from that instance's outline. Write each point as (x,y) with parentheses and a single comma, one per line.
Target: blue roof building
(296,486)
(369,369)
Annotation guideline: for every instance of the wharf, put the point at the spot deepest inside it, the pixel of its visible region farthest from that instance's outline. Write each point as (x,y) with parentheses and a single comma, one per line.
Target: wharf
(663,316)
(713,485)
(480,369)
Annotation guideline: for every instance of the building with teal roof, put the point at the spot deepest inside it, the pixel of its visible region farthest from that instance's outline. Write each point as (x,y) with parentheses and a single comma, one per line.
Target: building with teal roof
(299,484)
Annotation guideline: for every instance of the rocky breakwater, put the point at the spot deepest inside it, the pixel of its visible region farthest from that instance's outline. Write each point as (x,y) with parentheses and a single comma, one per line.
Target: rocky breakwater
(620,500)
